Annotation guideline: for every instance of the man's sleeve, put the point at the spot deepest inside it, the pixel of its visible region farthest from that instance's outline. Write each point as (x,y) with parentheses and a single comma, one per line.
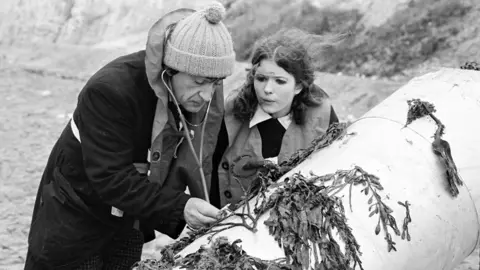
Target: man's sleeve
(105,122)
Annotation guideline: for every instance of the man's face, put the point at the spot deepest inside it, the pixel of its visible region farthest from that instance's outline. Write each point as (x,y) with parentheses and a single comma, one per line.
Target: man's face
(193,92)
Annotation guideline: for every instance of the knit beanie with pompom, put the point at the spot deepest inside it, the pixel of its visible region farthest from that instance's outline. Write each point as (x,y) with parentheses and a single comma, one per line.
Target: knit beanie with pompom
(201,45)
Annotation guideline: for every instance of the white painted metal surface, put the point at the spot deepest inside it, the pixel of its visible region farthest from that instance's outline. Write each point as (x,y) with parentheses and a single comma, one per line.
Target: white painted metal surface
(444,230)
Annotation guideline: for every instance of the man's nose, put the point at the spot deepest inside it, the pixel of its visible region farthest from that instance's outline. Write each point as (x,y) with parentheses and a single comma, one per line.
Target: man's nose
(206,92)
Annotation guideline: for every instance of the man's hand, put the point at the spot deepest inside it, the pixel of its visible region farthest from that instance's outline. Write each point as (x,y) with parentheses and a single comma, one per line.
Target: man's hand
(199,213)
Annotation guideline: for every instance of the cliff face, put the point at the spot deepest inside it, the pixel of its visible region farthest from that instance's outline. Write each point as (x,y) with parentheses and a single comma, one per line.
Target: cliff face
(81,22)
(116,22)
(375,12)
(79,36)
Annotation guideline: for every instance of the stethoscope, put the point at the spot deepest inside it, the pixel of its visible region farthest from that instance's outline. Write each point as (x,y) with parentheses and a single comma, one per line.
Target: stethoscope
(187,135)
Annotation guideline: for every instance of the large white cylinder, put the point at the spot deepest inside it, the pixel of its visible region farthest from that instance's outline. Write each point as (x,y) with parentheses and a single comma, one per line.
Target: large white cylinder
(444,230)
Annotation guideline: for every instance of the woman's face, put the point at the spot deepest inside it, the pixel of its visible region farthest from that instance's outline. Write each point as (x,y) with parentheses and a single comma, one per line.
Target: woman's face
(275,88)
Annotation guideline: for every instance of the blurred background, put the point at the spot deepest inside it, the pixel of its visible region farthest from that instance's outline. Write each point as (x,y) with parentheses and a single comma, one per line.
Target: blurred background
(49,48)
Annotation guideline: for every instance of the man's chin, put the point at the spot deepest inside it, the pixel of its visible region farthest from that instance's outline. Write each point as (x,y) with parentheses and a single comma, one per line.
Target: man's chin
(193,108)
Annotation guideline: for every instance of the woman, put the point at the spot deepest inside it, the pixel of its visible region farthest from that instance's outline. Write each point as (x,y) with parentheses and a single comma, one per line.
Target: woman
(276,112)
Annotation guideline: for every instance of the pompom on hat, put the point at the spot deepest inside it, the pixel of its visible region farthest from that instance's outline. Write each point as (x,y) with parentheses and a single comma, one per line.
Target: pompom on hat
(201,45)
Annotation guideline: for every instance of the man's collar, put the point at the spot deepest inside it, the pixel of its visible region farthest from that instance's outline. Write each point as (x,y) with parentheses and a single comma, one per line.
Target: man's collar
(261,116)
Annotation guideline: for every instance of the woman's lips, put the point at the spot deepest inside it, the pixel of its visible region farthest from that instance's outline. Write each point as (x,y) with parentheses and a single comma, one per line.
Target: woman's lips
(267,101)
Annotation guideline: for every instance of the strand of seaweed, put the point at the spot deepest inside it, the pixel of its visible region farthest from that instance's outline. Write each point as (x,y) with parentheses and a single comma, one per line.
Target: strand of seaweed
(418,109)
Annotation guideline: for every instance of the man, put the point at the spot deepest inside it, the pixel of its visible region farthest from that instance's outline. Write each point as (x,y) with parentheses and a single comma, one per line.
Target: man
(121,166)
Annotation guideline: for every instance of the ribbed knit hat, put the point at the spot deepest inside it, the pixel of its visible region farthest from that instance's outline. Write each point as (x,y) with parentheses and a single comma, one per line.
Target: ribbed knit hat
(201,45)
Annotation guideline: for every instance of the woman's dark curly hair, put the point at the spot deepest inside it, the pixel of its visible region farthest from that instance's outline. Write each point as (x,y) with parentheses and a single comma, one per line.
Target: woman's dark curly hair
(289,49)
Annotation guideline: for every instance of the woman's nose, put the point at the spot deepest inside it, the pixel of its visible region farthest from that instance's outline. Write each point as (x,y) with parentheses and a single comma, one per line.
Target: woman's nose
(268,89)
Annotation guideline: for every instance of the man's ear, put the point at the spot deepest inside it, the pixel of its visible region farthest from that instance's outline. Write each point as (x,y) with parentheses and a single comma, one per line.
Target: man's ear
(298,88)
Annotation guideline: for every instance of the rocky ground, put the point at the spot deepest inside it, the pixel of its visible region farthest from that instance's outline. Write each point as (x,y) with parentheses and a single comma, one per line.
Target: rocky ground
(34,110)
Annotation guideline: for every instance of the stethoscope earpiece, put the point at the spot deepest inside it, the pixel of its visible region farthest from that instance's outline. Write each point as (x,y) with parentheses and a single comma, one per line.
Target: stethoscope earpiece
(169,73)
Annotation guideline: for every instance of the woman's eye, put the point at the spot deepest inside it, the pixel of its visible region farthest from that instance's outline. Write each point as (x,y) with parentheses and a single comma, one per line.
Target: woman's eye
(260,78)
(280,81)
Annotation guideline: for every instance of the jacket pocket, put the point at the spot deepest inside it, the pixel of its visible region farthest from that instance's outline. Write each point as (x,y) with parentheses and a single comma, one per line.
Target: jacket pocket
(64,231)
